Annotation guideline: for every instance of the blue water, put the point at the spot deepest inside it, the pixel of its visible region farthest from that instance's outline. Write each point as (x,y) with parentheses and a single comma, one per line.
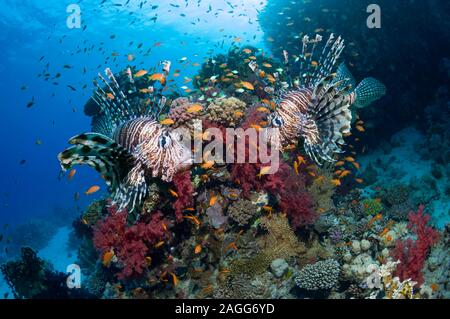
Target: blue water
(35,29)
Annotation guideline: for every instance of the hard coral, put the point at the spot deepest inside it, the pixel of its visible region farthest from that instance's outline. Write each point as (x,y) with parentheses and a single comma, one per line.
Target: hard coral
(321,275)
(131,245)
(413,253)
(228,111)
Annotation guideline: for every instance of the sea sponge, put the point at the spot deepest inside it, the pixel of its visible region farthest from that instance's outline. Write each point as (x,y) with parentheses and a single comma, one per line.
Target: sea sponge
(242,211)
(323,274)
(227,111)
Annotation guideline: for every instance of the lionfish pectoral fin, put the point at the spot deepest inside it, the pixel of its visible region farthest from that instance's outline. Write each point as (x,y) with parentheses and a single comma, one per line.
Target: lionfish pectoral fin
(329,114)
(368,91)
(133,189)
(100,152)
(345,77)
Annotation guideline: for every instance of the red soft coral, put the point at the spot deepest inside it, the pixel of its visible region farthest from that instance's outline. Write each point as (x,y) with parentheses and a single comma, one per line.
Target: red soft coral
(293,199)
(185,191)
(131,245)
(413,253)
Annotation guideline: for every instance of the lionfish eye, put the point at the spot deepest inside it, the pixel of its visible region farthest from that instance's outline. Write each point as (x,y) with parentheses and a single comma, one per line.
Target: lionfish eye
(277,121)
(164,140)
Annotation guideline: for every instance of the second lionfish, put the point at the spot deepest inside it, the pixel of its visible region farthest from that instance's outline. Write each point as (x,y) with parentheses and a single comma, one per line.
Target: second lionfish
(127,145)
(314,103)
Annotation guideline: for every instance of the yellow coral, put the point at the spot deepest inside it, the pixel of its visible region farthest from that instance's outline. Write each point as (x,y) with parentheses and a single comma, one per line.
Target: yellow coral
(228,111)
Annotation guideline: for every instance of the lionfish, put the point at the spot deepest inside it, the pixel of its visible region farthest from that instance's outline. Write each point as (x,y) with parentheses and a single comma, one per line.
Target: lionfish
(316,103)
(127,145)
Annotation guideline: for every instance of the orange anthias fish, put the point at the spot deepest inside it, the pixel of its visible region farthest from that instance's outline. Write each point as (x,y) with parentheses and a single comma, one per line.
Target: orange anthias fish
(72,174)
(140,73)
(107,257)
(263,171)
(173,193)
(336,182)
(207,165)
(193,218)
(157,77)
(374,219)
(212,201)
(167,122)
(198,249)
(231,246)
(92,190)
(296,167)
(194,108)
(247,85)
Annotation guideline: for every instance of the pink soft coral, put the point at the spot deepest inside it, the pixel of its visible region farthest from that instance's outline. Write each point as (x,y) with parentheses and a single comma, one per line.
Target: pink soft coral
(131,245)
(413,253)
(185,191)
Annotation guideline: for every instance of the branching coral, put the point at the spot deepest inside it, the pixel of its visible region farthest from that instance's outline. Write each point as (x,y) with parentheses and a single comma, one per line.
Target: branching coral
(130,245)
(412,253)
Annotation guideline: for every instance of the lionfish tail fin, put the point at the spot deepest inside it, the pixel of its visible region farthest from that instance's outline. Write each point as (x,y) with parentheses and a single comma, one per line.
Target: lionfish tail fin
(100,152)
(329,120)
(368,91)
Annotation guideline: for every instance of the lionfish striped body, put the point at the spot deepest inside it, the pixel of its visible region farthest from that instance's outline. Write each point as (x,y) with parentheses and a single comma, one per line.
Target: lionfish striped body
(128,146)
(316,104)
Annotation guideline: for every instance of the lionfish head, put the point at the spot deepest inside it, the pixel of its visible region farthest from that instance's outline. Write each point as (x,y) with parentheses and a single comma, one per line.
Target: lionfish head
(165,140)
(276,120)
